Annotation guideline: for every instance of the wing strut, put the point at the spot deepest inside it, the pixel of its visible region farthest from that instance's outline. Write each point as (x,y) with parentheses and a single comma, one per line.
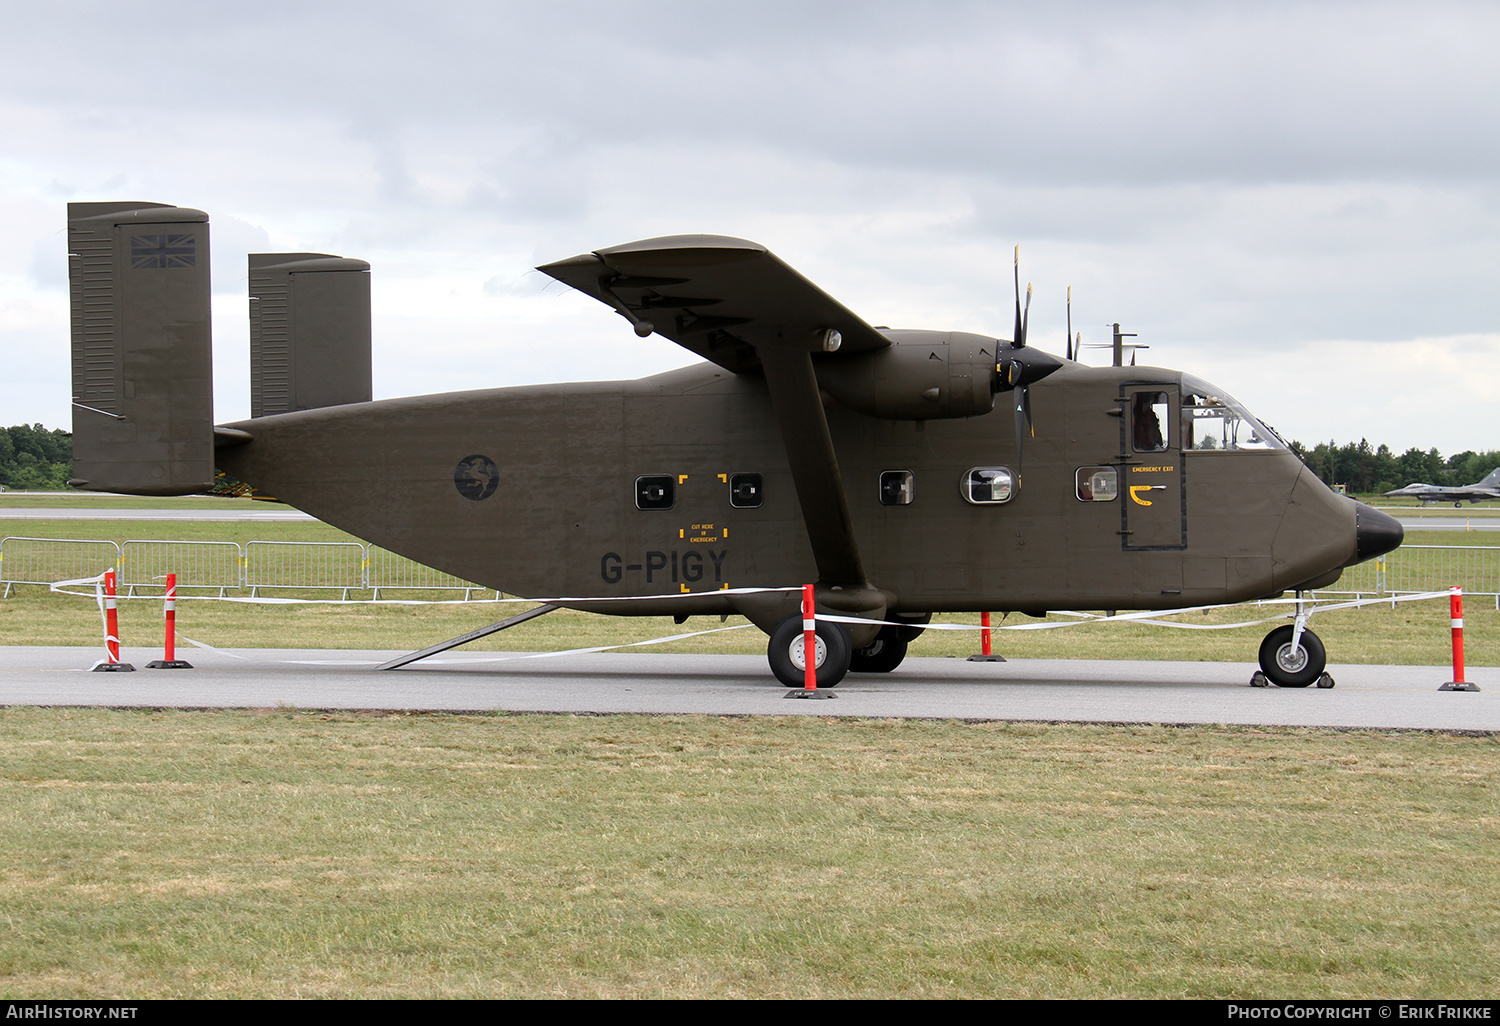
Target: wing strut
(815,468)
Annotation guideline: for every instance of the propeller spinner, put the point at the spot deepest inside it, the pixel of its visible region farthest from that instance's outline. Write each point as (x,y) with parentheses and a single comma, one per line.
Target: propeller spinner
(1019,367)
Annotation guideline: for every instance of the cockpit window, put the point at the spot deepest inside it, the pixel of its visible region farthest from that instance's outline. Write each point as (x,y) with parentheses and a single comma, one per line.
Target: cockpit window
(1212,419)
(1148,419)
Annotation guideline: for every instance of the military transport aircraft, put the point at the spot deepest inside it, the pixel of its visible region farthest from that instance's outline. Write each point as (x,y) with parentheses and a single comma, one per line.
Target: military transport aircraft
(1488,488)
(808,446)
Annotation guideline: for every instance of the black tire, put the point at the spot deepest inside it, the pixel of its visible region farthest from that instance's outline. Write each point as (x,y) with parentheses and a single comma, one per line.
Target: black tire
(882,655)
(786,643)
(912,624)
(1288,669)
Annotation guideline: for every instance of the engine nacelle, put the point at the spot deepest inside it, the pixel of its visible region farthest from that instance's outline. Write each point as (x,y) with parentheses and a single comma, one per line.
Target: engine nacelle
(924,375)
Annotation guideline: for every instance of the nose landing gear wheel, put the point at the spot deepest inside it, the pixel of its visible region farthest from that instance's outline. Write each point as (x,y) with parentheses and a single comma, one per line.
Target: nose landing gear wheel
(1289,667)
(784,653)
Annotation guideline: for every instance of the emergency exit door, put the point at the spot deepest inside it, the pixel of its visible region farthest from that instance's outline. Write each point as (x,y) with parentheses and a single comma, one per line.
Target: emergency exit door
(1153,507)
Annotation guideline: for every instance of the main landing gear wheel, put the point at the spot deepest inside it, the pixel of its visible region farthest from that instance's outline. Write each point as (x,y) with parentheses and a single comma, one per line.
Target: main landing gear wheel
(1289,667)
(882,655)
(785,653)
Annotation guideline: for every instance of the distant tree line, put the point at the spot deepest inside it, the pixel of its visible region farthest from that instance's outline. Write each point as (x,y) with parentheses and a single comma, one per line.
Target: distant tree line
(1359,467)
(35,459)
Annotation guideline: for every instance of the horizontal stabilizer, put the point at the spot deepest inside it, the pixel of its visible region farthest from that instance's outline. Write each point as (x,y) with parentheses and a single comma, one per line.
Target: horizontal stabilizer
(309,332)
(142,348)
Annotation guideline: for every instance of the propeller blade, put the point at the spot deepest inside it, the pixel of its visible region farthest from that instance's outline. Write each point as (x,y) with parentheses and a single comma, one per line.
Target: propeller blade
(1018,336)
(1019,375)
(1070,322)
(1021,418)
(1026,319)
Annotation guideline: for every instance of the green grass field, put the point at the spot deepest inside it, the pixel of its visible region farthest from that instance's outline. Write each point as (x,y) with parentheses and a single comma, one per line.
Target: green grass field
(287,854)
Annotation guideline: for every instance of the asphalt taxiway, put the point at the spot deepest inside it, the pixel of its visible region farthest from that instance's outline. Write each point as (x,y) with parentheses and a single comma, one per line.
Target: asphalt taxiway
(1097,691)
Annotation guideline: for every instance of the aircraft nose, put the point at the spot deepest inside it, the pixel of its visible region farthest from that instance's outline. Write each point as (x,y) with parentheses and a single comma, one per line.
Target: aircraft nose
(1375,533)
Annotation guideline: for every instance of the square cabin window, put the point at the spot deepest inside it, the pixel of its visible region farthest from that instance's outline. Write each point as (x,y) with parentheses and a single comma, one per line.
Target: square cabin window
(1098,484)
(745,491)
(897,488)
(655,491)
(988,486)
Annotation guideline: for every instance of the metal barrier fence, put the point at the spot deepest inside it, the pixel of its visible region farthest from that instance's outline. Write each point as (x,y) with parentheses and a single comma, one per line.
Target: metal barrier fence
(48,560)
(322,566)
(1416,568)
(197,564)
(390,572)
(221,566)
(352,566)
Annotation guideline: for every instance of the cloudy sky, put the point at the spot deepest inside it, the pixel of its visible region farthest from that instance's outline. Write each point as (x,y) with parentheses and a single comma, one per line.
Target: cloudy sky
(1297,201)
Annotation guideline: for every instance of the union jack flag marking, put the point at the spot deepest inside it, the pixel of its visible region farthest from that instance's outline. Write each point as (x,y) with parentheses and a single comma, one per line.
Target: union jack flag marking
(148,251)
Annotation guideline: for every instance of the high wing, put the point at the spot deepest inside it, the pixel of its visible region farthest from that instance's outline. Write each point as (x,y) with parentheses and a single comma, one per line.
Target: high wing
(736,304)
(720,297)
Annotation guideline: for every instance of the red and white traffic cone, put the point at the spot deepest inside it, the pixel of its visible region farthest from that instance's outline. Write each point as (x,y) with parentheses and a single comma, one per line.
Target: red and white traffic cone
(985,655)
(1456,620)
(111,629)
(170,662)
(809,688)
(809,640)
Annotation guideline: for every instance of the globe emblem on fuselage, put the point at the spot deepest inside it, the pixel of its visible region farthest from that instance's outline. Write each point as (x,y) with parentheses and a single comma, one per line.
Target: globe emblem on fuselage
(476,477)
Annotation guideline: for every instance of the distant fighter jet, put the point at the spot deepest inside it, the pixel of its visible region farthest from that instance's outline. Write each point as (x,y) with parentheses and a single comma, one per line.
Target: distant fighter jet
(1489,488)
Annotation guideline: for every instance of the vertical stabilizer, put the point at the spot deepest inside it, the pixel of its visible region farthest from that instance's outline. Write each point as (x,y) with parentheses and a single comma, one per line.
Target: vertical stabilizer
(309,332)
(142,348)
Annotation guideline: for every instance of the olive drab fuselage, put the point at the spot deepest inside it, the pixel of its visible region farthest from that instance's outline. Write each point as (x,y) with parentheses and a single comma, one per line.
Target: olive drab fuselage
(552,507)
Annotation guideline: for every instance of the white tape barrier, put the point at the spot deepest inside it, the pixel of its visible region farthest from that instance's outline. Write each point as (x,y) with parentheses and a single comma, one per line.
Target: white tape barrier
(503,656)
(1146,617)
(98,583)
(1143,617)
(263,600)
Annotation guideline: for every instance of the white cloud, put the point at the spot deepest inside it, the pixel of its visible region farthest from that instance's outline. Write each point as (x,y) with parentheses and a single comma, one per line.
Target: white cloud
(1278,190)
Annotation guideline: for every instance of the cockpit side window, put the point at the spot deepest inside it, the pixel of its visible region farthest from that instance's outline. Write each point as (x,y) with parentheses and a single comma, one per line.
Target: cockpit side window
(1148,421)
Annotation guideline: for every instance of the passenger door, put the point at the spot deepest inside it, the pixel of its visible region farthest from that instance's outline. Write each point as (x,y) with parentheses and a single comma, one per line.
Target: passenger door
(1153,507)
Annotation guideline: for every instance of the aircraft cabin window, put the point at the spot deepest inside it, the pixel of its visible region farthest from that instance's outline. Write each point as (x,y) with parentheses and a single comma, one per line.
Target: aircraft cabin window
(745,491)
(1098,484)
(658,491)
(1148,420)
(897,488)
(988,486)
